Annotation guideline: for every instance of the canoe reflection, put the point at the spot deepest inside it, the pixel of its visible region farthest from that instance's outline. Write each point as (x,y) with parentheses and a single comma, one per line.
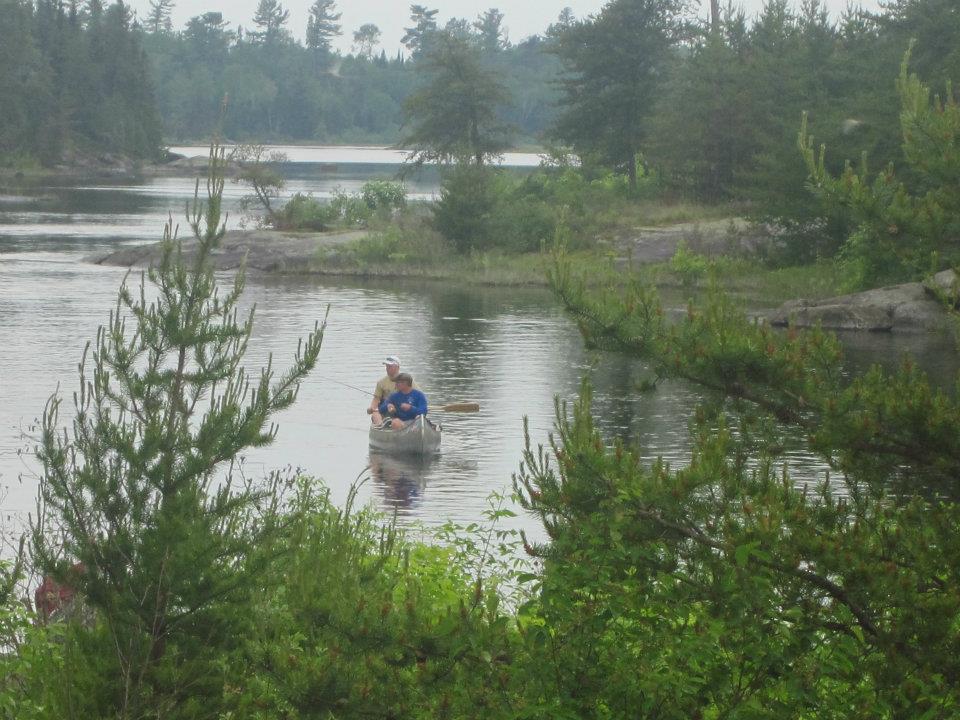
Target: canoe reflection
(401,478)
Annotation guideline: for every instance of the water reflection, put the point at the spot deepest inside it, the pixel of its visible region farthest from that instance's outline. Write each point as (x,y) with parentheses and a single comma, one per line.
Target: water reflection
(400,479)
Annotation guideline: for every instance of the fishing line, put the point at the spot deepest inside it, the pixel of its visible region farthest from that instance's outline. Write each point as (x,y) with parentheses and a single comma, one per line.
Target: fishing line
(352,387)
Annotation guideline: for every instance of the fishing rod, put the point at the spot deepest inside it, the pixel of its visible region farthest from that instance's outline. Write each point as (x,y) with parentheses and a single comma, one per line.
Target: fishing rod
(352,387)
(451,407)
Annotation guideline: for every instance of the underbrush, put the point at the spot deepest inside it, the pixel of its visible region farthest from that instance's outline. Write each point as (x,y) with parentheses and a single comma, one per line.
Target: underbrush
(376,203)
(350,619)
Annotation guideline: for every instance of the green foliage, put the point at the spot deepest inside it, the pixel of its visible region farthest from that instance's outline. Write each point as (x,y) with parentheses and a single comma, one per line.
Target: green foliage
(384,195)
(454,116)
(29,652)
(901,225)
(395,245)
(377,199)
(483,209)
(305,212)
(464,212)
(614,65)
(359,622)
(723,587)
(689,266)
(139,493)
(73,84)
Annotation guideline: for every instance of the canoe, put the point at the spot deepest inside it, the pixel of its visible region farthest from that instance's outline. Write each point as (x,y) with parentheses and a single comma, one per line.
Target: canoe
(421,437)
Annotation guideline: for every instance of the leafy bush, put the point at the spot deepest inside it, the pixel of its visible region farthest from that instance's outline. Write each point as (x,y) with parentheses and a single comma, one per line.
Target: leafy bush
(689,266)
(464,213)
(358,622)
(304,212)
(377,197)
(384,194)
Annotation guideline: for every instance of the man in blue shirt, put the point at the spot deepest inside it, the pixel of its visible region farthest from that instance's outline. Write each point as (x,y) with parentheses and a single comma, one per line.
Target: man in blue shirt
(405,404)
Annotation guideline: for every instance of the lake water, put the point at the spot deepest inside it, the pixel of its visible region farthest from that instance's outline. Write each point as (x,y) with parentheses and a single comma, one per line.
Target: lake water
(511,350)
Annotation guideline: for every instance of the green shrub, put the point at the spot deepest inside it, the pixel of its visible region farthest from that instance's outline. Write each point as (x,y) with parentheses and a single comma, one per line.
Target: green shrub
(468,200)
(350,210)
(384,194)
(689,266)
(358,622)
(305,212)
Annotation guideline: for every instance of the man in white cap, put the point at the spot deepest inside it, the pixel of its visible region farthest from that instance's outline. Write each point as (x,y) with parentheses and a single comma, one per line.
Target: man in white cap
(385,388)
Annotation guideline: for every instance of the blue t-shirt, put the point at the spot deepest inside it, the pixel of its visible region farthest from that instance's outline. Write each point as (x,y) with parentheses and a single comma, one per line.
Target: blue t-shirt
(417,400)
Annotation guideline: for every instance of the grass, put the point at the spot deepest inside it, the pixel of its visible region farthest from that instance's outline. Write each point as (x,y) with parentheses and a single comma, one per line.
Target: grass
(406,246)
(394,253)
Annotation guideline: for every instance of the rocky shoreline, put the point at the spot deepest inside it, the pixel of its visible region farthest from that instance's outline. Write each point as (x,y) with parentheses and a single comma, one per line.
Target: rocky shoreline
(906,308)
(260,250)
(115,165)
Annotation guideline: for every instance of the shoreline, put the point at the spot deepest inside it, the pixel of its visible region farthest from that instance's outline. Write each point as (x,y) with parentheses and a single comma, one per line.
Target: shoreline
(906,308)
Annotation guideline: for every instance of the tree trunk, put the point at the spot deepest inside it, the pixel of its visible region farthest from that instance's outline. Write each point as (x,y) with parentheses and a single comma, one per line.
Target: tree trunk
(714,15)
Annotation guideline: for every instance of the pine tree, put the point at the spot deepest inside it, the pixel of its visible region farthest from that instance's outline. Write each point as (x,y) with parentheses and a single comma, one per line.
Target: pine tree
(270,19)
(455,115)
(158,19)
(142,492)
(322,25)
(615,65)
(416,38)
(493,36)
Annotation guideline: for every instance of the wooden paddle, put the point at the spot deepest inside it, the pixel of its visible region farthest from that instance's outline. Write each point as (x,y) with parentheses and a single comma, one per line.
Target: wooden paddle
(465,407)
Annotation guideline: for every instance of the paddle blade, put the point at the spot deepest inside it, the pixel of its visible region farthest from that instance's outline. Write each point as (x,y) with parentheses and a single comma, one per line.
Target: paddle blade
(461,407)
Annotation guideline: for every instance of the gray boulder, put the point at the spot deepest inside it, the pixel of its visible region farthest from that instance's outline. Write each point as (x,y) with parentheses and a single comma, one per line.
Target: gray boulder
(910,307)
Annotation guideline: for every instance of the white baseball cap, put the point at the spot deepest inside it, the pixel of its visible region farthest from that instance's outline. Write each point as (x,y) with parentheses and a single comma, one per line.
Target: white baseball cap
(392,360)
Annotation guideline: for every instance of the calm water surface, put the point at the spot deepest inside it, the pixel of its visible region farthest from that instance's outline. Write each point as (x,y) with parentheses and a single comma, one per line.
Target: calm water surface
(512,351)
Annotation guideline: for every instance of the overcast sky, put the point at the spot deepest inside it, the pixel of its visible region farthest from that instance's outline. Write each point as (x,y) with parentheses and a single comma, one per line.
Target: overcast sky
(522,18)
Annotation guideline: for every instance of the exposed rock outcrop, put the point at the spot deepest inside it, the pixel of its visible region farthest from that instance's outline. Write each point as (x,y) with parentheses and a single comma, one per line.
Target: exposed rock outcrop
(911,307)
(265,250)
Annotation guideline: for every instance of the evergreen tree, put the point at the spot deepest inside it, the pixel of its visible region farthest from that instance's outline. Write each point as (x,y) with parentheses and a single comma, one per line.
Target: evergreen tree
(417,37)
(270,19)
(903,228)
(700,135)
(489,26)
(461,29)
(676,588)
(565,21)
(158,19)
(26,87)
(142,493)
(322,25)
(615,65)
(455,115)
(934,25)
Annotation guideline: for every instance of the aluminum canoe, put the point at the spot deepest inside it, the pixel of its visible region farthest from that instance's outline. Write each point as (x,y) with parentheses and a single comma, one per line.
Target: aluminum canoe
(421,437)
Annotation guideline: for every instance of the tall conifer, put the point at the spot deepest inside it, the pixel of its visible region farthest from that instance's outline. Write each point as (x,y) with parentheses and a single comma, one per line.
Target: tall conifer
(140,495)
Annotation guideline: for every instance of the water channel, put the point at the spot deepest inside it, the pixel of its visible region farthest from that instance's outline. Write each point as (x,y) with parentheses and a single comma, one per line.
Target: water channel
(511,350)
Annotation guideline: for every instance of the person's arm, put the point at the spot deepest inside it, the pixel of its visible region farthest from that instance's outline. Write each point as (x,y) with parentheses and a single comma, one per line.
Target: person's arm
(419,403)
(391,401)
(376,401)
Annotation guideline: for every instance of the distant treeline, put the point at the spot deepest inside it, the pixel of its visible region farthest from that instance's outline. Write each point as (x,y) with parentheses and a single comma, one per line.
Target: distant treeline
(73,77)
(715,117)
(280,89)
